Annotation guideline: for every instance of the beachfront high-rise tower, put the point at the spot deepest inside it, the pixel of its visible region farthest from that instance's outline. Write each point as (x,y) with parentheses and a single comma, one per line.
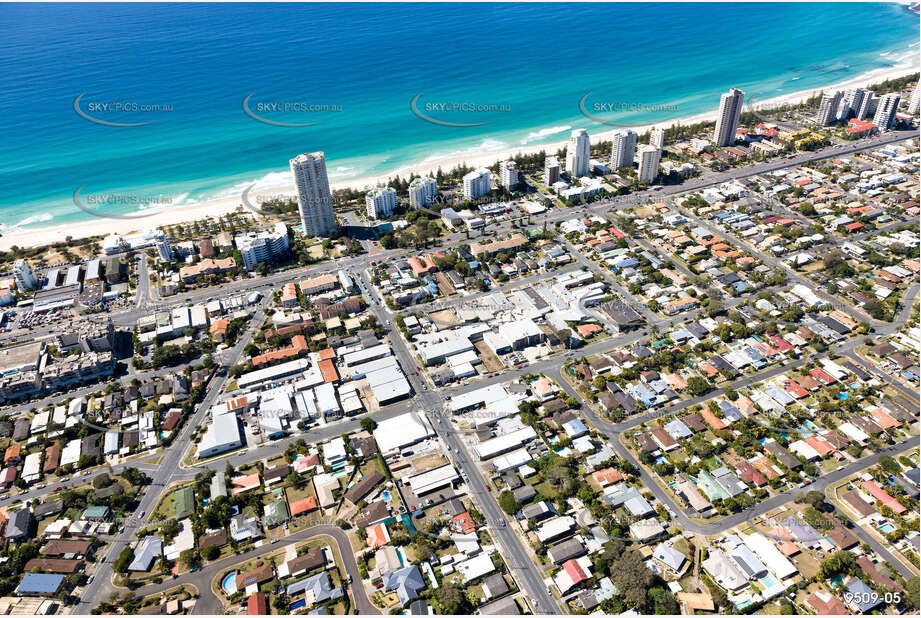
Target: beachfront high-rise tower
(315,202)
(852,103)
(577,154)
(648,167)
(828,108)
(623,149)
(727,120)
(422,192)
(508,174)
(551,171)
(657,138)
(380,202)
(477,183)
(25,278)
(867,105)
(885,111)
(164,250)
(914,104)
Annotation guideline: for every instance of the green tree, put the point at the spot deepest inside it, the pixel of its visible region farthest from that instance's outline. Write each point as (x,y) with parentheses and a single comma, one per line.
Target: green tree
(452,600)
(889,465)
(210,552)
(911,593)
(508,503)
(698,386)
(839,563)
(120,565)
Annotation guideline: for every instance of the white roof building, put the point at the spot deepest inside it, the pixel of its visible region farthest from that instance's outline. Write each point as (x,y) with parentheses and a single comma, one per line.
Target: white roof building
(198,316)
(31,467)
(223,434)
(327,404)
(475,567)
(768,553)
(40,422)
(512,460)
(555,528)
(70,454)
(180,319)
(433,479)
(396,433)
(724,571)
(502,444)
(334,451)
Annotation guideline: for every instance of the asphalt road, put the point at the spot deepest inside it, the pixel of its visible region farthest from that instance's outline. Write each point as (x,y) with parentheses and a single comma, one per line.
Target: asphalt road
(432,403)
(613,431)
(169,471)
(162,476)
(359,262)
(208,603)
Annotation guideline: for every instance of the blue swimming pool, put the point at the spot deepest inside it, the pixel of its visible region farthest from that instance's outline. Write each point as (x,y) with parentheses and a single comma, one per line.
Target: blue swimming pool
(385,495)
(767,581)
(408,524)
(298,604)
(886,528)
(229,583)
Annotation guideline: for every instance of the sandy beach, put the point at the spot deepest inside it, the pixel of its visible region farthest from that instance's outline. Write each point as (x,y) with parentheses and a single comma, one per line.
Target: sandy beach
(30,237)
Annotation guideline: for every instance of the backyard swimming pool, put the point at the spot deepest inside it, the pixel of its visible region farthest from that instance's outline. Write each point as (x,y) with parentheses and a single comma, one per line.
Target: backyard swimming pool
(298,604)
(229,583)
(385,495)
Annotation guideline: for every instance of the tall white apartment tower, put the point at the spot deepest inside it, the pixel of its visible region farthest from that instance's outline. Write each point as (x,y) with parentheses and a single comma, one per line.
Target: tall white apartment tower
(551,170)
(885,111)
(828,108)
(867,105)
(657,138)
(380,202)
(727,120)
(422,192)
(577,154)
(315,202)
(623,149)
(914,103)
(508,174)
(477,183)
(164,250)
(649,157)
(25,278)
(851,103)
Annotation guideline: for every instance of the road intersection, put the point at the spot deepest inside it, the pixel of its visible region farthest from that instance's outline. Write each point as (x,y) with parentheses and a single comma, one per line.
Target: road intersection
(168,469)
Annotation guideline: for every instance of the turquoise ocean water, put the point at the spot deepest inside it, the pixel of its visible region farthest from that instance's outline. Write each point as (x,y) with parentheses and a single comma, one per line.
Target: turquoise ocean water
(525,67)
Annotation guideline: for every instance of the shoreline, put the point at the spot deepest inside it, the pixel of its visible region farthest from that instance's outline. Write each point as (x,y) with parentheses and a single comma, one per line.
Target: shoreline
(38,236)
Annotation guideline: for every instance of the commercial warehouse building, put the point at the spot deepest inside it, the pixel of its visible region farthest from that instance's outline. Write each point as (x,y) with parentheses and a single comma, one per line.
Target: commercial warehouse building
(394,434)
(222,435)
